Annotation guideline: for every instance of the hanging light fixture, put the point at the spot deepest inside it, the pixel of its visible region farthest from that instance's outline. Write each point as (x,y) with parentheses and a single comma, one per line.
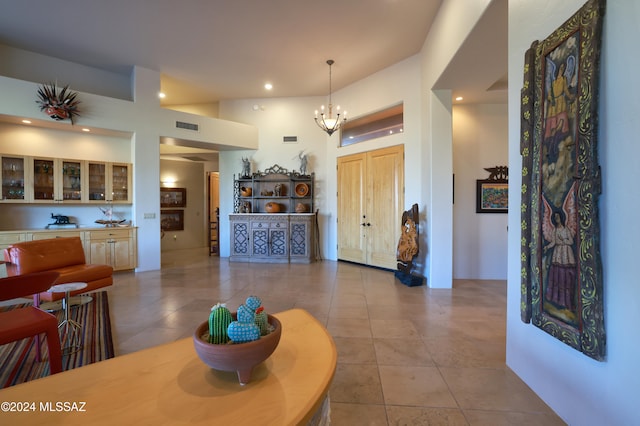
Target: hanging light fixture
(327,122)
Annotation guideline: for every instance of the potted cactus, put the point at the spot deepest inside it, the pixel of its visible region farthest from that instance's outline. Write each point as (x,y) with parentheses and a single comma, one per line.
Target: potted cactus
(237,341)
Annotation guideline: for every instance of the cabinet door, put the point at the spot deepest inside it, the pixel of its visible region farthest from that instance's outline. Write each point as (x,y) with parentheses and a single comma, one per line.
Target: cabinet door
(240,238)
(99,252)
(12,175)
(121,254)
(120,182)
(260,239)
(269,239)
(43,178)
(114,247)
(70,182)
(279,240)
(97,187)
(300,239)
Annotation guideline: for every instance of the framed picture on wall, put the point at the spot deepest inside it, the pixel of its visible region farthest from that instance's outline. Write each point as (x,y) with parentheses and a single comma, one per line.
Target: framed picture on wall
(173,197)
(492,196)
(172,220)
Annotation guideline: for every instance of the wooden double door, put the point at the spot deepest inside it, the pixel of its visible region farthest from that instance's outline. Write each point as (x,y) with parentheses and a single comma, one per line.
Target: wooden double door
(370,206)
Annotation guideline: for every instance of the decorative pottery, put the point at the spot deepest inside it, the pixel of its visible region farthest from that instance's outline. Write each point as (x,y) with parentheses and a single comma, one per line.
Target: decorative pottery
(239,357)
(266,193)
(302,208)
(302,189)
(272,207)
(245,191)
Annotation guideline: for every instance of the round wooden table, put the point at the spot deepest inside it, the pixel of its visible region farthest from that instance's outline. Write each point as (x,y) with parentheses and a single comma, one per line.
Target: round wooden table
(169,384)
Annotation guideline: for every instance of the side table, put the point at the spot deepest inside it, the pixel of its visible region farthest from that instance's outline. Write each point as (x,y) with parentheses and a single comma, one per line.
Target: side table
(70,337)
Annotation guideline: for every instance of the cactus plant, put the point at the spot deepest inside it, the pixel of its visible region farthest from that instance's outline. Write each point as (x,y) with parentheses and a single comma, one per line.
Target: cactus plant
(253,303)
(262,321)
(219,320)
(245,328)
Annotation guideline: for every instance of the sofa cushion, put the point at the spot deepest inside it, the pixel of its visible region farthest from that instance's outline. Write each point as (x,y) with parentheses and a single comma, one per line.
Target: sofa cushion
(44,255)
(83,273)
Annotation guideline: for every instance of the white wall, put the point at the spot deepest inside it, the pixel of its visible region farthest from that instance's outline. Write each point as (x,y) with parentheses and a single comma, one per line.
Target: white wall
(278,117)
(480,140)
(455,20)
(146,122)
(37,141)
(583,391)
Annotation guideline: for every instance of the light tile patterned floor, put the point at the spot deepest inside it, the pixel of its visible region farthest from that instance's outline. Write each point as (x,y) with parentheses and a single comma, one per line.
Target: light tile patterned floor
(406,355)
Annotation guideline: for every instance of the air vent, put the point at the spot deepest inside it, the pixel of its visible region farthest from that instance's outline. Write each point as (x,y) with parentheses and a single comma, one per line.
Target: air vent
(290,139)
(194,158)
(187,126)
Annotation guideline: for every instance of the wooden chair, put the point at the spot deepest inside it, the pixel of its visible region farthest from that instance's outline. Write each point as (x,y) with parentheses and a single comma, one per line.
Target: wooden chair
(22,323)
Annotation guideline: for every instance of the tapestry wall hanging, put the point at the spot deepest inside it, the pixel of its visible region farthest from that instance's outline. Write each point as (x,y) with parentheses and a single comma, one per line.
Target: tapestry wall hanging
(561,268)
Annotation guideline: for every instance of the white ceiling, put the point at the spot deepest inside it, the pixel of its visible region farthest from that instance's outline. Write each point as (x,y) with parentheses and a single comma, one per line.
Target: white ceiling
(210,50)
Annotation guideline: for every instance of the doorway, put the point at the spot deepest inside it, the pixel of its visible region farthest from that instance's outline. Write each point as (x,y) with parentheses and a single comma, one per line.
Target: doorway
(213,212)
(370,206)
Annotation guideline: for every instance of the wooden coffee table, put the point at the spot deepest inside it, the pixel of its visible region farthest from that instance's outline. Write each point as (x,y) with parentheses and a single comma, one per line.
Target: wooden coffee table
(169,384)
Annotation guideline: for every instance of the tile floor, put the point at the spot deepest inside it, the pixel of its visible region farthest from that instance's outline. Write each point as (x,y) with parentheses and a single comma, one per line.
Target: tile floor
(406,355)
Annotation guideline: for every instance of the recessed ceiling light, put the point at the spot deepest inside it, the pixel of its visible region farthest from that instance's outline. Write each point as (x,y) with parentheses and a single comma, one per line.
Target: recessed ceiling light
(86,130)
(26,121)
(162,95)
(268,86)
(459,98)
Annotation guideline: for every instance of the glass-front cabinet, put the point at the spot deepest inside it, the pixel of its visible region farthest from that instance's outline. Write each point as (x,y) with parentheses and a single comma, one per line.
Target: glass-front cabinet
(109,182)
(71,180)
(12,175)
(120,182)
(57,180)
(43,180)
(97,188)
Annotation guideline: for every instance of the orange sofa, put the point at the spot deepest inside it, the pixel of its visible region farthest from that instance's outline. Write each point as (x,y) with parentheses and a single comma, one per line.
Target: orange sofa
(62,255)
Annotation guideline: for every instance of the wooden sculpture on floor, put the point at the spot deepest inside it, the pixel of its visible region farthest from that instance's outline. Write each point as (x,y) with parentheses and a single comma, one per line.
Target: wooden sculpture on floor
(408,248)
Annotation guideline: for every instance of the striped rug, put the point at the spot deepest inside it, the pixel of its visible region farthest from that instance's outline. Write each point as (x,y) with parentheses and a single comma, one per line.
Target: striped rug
(17,360)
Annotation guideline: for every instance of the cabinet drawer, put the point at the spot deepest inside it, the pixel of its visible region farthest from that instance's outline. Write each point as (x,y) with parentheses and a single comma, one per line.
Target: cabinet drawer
(50,235)
(268,225)
(110,233)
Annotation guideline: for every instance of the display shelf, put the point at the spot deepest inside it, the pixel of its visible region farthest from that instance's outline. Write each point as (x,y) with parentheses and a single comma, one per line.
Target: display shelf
(275,186)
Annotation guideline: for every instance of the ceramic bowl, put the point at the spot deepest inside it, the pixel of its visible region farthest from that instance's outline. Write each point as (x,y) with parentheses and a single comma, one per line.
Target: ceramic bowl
(302,189)
(245,191)
(272,207)
(239,357)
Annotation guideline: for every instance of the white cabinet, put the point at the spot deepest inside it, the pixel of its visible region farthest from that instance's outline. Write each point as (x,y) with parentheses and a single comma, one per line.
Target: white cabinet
(272,238)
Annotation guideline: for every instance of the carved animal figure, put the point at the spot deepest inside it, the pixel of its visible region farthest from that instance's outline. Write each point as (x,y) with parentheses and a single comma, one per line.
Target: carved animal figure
(60,219)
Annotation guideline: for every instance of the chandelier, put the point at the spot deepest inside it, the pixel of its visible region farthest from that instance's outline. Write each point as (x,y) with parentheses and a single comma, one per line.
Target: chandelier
(327,122)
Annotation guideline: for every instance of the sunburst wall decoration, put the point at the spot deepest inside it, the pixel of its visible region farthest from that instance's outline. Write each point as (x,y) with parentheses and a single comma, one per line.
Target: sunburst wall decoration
(59,104)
